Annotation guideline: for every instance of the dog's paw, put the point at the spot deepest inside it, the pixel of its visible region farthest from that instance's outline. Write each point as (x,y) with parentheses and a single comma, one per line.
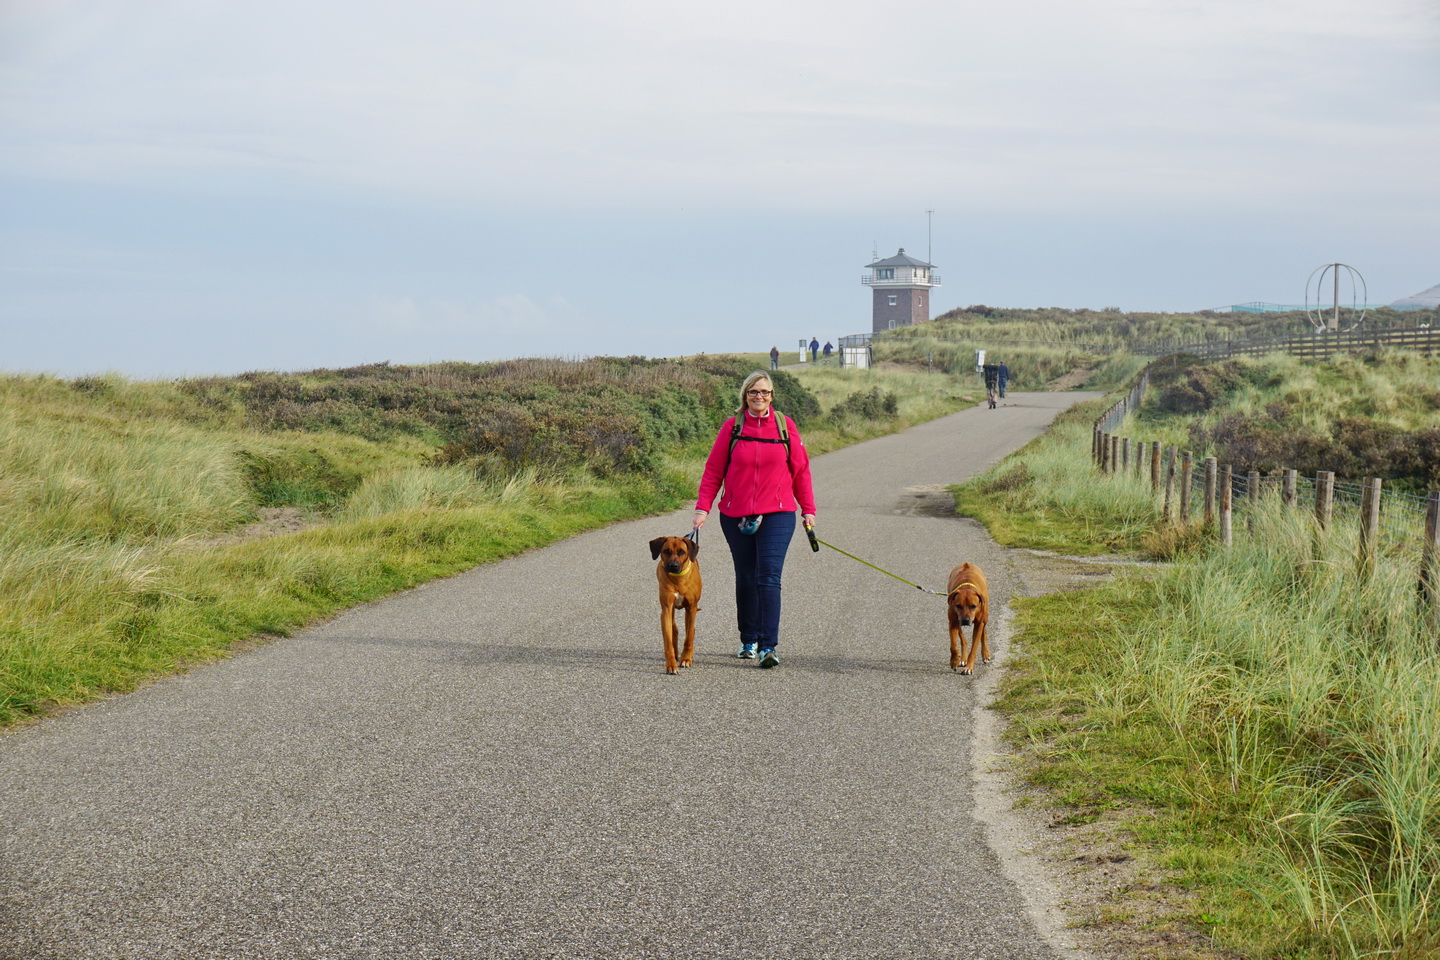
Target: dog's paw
(684,664)
(967,671)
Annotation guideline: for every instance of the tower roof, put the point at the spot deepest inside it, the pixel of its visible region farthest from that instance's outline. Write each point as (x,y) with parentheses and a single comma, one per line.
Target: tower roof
(900,260)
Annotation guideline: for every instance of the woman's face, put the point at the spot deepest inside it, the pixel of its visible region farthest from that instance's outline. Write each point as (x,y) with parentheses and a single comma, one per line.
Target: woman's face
(758,397)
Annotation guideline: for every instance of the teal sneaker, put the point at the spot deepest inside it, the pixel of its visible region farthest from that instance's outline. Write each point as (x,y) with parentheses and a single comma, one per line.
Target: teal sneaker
(747,651)
(768,659)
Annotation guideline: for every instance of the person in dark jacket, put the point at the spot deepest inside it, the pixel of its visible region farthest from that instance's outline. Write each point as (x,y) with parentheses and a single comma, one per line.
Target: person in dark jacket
(774,358)
(814,349)
(1003,376)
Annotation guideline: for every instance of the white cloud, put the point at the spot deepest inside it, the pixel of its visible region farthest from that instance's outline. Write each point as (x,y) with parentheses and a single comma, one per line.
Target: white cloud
(798,104)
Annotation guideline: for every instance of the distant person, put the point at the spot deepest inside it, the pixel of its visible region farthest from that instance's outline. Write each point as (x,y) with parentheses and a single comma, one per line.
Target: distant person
(829,349)
(991,373)
(814,349)
(1004,375)
(774,358)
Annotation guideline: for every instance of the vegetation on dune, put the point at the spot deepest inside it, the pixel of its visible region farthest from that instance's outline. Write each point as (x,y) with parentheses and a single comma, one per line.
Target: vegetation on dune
(1111,327)
(1042,345)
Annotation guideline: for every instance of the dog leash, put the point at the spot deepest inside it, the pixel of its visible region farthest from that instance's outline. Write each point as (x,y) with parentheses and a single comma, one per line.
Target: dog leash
(815,543)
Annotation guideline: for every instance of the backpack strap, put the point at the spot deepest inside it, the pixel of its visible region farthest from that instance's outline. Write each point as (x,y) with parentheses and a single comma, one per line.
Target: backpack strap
(735,437)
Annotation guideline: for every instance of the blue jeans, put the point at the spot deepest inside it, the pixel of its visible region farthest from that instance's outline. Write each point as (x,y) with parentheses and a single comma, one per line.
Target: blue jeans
(759,560)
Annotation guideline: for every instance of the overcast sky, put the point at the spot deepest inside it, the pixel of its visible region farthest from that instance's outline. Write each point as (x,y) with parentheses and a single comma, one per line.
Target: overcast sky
(204,186)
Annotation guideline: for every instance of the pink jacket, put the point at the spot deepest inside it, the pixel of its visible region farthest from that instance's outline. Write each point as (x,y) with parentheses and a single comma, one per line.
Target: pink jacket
(757,480)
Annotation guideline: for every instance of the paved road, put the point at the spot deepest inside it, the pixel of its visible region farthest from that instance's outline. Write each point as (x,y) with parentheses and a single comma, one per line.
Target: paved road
(495,766)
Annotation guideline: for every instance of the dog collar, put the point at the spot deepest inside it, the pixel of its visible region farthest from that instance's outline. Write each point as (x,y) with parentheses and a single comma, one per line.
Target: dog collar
(683,570)
(965,584)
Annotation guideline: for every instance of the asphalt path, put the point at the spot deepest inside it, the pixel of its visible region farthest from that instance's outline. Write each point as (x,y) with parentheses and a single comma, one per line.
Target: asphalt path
(496,766)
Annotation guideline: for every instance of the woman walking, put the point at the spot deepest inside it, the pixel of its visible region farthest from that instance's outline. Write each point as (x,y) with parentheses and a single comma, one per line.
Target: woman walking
(759,469)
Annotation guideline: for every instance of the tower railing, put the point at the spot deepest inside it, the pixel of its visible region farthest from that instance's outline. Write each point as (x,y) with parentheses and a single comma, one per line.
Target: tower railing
(931,281)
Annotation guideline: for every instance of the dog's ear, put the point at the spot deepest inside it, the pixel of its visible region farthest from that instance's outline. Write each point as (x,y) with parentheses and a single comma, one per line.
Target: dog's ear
(656,546)
(693,546)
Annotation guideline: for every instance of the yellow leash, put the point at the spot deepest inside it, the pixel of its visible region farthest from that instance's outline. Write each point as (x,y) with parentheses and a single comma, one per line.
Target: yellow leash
(815,545)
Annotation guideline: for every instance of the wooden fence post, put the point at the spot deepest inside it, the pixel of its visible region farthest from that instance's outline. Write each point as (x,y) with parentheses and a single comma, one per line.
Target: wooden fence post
(1210,472)
(1095,444)
(1124,454)
(1225,505)
(1430,561)
(1155,467)
(1169,486)
(1113,454)
(1187,473)
(1288,492)
(1369,526)
(1252,483)
(1324,498)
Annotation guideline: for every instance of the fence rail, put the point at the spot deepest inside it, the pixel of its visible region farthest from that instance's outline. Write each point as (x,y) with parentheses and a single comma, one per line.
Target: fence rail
(1310,346)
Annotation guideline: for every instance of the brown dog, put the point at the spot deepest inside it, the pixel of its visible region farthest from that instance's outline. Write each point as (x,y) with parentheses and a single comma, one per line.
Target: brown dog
(968,604)
(679,574)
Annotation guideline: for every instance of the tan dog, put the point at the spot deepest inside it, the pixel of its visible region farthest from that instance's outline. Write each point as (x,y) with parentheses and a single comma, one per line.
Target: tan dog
(679,574)
(968,604)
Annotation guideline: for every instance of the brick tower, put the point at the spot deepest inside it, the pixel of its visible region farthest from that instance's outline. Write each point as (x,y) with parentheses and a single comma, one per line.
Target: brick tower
(901,288)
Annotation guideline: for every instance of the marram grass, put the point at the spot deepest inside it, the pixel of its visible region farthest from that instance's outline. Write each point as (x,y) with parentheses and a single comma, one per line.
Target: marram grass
(84,620)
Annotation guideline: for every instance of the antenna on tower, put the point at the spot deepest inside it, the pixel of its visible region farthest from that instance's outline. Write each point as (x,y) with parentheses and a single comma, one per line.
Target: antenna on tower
(874,250)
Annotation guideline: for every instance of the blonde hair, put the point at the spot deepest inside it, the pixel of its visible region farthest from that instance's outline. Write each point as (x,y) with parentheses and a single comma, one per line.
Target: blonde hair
(750,381)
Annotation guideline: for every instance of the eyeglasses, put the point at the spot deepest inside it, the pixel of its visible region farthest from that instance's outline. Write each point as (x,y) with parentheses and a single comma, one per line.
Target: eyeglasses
(759,393)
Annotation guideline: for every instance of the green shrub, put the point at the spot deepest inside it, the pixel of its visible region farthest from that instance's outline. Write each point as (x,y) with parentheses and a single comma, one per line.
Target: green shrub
(298,478)
(869,404)
(1199,388)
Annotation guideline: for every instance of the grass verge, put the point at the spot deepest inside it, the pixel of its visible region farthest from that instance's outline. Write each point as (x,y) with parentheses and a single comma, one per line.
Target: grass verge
(1264,719)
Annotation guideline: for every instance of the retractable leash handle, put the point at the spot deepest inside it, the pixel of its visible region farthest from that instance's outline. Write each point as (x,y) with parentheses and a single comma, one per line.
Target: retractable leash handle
(810,532)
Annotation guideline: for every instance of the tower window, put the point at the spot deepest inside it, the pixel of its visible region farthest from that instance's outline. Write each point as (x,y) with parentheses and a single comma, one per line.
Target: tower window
(893,300)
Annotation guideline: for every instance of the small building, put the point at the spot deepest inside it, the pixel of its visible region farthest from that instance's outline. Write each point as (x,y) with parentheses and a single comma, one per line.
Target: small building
(900,287)
(1424,300)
